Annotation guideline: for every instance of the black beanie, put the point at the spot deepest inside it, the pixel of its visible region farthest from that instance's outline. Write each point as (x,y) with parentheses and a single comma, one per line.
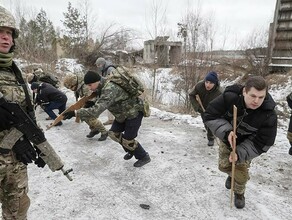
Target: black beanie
(91,77)
(34,85)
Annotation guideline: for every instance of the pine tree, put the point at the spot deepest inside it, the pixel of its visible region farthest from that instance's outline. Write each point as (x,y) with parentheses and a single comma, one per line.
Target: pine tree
(74,35)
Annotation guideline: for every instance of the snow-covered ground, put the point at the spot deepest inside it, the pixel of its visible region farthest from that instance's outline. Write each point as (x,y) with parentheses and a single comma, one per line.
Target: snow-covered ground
(181,182)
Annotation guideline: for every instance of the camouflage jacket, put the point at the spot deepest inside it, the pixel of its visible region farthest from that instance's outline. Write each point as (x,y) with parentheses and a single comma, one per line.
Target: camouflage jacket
(116,100)
(11,90)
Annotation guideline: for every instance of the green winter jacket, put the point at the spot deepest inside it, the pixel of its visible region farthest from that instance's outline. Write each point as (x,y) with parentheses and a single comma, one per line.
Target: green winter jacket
(205,95)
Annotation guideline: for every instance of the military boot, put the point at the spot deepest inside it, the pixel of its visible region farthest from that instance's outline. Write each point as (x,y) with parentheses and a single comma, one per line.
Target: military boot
(239,200)
(92,133)
(228,182)
(141,162)
(103,136)
(211,142)
(128,156)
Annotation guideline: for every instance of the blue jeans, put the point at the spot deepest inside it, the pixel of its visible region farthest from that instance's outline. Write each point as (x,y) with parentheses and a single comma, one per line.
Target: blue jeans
(61,106)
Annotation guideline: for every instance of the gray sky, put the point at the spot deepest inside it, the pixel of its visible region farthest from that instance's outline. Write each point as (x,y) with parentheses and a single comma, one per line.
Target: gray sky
(240,17)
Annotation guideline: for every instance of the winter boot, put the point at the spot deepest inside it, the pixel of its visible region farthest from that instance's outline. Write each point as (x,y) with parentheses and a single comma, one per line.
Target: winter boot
(128,156)
(92,133)
(59,123)
(211,142)
(239,200)
(228,182)
(141,162)
(103,137)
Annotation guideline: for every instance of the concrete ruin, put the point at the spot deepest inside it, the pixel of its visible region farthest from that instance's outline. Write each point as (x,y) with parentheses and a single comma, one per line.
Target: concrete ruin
(162,52)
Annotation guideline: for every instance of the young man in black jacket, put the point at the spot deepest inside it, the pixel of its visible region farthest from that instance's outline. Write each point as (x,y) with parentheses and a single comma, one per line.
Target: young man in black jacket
(255,133)
(49,98)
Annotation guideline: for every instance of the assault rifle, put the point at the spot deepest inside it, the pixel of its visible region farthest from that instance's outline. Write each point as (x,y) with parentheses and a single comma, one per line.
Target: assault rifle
(27,127)
(79,104)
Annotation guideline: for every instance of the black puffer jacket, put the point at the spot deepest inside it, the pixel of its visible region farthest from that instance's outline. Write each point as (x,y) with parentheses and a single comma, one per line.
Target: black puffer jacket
(48,93)
(256,129)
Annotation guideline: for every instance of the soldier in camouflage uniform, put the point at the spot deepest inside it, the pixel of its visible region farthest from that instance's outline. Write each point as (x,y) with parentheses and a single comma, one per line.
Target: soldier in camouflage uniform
(40,76)
(13,161)
(105,68)
(255,132)
(289,133)
(76,84)
(128,112)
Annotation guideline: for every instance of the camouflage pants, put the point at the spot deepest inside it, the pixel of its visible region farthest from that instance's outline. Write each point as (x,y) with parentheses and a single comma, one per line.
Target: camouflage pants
(14,187)
(241,175)
(96,124)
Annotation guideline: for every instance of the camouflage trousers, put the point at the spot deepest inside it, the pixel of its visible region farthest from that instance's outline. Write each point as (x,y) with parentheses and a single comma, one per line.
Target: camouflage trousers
(96,124)
(241,175)
(14,188)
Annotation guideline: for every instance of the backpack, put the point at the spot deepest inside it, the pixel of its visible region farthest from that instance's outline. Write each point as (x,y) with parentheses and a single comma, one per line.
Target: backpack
(51,79)
(127,81)
(131,84)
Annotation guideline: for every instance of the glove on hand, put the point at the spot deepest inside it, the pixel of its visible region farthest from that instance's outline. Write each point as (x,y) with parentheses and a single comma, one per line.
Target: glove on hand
(68,115)
(6,119)
(88,104)
(39,161)
(289,101)
(24,151)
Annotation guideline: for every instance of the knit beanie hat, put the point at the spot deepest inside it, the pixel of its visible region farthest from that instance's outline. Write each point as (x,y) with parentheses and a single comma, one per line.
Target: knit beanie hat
(34,85)
(212,77)
(91,77)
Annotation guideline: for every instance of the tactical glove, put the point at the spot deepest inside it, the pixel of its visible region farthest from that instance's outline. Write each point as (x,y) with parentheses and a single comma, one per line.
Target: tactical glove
(6,119)
(39,161)
(289,101)
(24,151)
(88,104)
(69,115)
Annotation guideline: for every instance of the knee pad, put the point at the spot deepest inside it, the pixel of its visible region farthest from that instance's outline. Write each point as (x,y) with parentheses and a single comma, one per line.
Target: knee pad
(115,136)
(129,144)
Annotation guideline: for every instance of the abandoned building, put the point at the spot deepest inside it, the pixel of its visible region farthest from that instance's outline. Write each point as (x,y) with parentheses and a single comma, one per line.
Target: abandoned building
(280,37)
(162,52)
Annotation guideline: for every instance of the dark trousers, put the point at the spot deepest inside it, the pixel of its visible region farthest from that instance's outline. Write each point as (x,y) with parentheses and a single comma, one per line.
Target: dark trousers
(129,129)
(61,106)
(210,135)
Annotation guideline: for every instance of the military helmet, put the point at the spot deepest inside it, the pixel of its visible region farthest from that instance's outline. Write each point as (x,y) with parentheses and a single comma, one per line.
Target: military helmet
(7,20)
(100,61)
(70,80)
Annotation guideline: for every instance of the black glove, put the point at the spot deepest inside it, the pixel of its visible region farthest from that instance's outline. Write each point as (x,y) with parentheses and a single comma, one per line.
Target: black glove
(68,115)
(6,119)
(88,104)
(39,161)
(24,151)
(289,101)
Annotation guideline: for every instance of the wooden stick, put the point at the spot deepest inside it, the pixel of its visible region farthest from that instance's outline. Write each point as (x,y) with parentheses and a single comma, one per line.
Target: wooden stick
(79,104)
(200,102)
(233,153)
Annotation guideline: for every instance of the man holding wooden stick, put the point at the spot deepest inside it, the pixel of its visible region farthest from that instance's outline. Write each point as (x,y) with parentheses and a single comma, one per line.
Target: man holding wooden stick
(255,131)
(203,93)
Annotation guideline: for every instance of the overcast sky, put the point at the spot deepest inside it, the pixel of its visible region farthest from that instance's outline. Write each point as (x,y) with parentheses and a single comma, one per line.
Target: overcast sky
(240,17)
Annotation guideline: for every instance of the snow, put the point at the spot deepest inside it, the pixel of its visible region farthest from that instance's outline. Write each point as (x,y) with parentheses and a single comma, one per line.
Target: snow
(181,182)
